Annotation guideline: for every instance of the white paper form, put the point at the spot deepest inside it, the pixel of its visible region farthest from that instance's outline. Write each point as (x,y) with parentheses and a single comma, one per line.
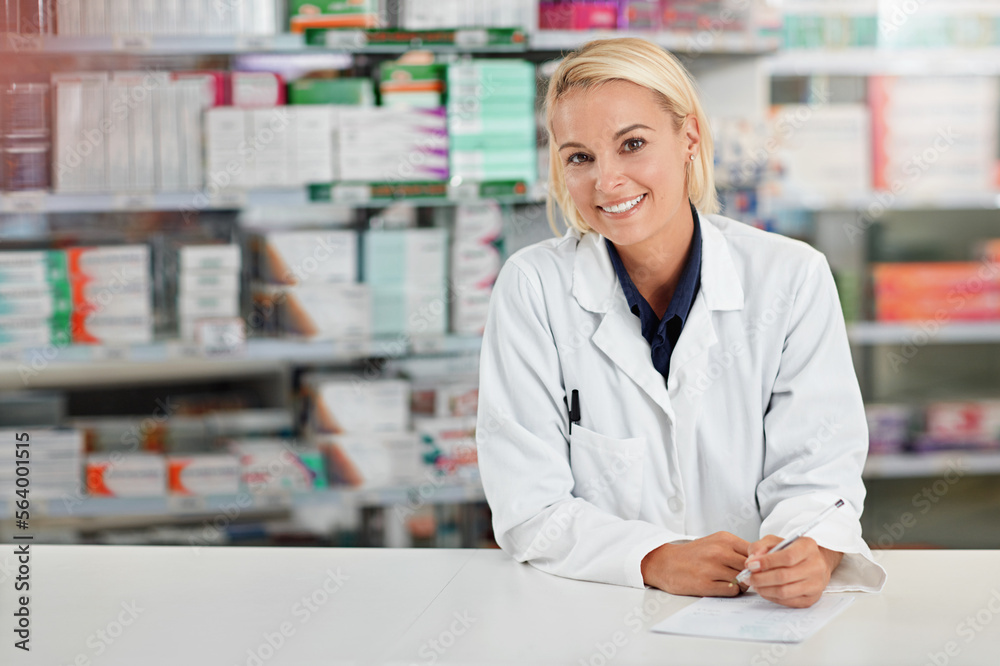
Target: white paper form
(750,617)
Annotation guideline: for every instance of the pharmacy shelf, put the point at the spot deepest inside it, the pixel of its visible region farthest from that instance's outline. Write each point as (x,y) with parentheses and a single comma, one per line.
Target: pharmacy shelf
(875,203)
(93,365)
(49,202)
(883,61)
(445,40)
(155,44)
(704,41)
(358,195)
(474,40)
(923,333)
(428,492)
(914,465)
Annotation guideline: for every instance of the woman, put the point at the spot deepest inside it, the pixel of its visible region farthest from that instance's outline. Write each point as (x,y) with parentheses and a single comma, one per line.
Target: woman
(665,392)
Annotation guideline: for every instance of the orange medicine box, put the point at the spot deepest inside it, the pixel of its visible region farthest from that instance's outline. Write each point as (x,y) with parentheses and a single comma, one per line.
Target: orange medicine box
(126,475)
(203,475)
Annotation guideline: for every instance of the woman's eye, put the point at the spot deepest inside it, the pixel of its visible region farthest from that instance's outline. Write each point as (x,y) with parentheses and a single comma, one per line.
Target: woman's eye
(576,158)
(634,144)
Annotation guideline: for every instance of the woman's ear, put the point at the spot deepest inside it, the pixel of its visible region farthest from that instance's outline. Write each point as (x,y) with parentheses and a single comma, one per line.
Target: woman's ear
(692,134)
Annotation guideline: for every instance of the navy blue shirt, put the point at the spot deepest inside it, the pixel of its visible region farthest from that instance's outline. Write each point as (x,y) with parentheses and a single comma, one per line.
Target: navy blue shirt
(662,334)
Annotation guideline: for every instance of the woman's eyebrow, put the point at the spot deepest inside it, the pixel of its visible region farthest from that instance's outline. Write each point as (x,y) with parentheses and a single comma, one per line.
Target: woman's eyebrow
(619,134)
(625,130)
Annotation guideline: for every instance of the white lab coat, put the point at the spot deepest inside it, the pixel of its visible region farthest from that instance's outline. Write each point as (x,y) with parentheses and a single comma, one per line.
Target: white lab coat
(759,426)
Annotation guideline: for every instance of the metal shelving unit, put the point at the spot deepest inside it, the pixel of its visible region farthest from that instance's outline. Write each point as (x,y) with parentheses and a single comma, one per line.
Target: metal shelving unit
(98,364)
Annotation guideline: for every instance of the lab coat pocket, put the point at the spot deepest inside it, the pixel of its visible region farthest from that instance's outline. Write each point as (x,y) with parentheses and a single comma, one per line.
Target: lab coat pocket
(607,472)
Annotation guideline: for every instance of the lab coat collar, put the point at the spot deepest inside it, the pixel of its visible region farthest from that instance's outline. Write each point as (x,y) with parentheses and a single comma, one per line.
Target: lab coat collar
(595,284)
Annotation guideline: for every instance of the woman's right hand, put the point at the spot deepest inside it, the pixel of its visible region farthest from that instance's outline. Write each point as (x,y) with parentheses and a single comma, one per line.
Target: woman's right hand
(705,567)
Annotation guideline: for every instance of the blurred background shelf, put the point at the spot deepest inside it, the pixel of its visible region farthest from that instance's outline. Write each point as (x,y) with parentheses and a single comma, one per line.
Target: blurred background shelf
(172,360)
(874,203)
(428,492)
(881,333)
(361,195)
(885,61)
(913,465)
(680,42)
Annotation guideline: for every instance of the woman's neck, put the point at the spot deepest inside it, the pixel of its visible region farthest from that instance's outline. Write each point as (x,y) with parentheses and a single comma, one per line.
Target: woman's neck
(655,265)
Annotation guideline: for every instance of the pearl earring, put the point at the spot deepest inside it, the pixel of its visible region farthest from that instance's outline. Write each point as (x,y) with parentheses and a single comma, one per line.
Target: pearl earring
(692,158)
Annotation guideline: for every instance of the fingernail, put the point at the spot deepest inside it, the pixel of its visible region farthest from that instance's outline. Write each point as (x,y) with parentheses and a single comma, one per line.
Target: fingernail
(754,565)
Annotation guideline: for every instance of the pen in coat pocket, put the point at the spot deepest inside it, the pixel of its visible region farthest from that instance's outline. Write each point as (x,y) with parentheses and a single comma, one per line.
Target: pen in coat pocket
(794,536)
(574,410)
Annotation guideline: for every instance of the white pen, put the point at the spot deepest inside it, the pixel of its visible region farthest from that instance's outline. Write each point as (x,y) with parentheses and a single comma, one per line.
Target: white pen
(793,537)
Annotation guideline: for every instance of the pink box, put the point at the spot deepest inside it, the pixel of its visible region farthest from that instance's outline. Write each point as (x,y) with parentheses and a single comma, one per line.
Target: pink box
(578,15)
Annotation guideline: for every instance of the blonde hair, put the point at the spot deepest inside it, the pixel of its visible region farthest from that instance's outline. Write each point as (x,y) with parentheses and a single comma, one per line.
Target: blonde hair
(642,63)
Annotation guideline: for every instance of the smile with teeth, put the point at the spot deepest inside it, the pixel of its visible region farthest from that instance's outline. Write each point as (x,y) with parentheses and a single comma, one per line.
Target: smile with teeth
(622,207)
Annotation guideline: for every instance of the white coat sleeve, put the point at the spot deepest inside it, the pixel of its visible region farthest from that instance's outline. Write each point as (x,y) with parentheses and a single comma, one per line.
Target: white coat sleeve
(524,456)
(816,435)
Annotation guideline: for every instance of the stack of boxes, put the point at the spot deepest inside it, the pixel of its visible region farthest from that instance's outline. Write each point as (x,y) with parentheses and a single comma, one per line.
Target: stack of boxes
(475,264)
(306,285)
(936,292)
(208,285)
(55,458)
(410,14)
(203,474)
(25,144)
(412,85)
(127,132)
(385,144)
(35,300)
(144,17)
(832,24)
(934,135)
(111,293)
(491,120)
(406,270)
(304,14)
(132,474)
(841,133)
(275,147)
(447,14)
(350,91)
(268,466)
(362,428)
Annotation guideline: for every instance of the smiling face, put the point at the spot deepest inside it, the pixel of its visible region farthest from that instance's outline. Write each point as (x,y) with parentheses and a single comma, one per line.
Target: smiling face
(624,161)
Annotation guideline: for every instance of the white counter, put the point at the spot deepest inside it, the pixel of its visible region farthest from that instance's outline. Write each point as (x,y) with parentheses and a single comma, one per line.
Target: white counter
(151,606)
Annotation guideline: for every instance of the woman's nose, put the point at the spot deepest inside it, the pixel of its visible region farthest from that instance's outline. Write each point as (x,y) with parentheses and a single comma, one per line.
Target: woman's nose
(610,175)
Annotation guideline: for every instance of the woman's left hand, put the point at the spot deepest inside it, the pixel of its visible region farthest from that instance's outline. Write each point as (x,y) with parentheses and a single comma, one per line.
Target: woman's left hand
(795,576)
